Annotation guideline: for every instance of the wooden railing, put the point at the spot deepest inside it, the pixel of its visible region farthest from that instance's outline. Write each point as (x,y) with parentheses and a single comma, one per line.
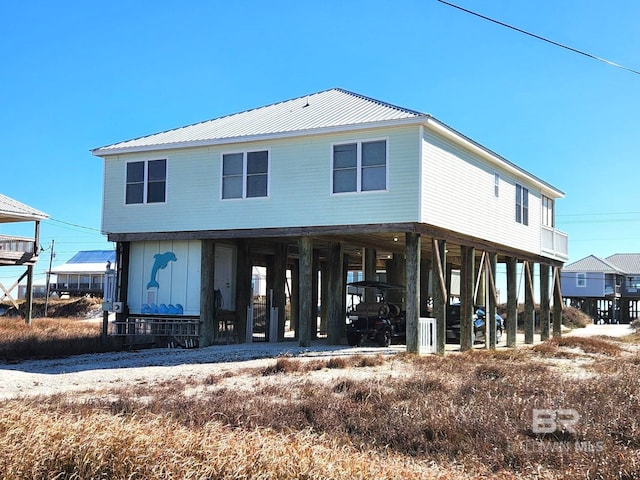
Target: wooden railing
(17,250)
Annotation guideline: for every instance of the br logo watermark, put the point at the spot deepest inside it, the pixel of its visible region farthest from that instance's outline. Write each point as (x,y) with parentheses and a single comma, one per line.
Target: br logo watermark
(547,420)
(561,420)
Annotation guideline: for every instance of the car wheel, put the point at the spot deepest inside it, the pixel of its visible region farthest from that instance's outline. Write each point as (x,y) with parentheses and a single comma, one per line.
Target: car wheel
(383,338)
(353,339)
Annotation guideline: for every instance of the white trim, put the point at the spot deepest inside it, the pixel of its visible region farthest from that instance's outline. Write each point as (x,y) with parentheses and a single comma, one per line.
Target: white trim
(359,167)
(108,151)
(145,181)
(244,173)
(421,141)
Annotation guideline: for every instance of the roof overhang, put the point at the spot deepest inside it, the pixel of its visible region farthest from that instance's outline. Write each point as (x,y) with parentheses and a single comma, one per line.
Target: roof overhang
(110,151)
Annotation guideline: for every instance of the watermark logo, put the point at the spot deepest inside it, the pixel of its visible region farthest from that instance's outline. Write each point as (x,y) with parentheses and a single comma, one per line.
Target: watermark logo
(547,420)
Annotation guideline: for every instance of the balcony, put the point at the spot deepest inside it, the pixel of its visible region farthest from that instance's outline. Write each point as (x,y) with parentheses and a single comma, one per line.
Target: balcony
(555,243)
(17,250)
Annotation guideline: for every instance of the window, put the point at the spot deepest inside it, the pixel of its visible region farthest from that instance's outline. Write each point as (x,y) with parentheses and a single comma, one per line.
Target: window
(245,174)
(496,184)
(522,205)
(581,280)
(146,182)
(547,212)
(360,167)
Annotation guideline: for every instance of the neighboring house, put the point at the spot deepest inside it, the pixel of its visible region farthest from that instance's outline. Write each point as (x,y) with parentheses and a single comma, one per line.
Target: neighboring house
(19,251)
(332,182)
(608,289)
(83,274)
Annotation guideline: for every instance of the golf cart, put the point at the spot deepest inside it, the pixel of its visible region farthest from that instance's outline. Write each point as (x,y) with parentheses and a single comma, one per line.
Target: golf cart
(378,321)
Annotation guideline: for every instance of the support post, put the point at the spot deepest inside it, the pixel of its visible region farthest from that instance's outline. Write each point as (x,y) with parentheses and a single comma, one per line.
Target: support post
(544,302)
(307,314)
(208,325)
(243,288)
(335,294)
(557,304)
(512,301)
(529,305)
(492,300)
(467,282)
(412,273)
(440,294)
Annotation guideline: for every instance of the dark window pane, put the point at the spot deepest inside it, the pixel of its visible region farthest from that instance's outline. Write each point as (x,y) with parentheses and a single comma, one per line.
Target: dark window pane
(135,193)
(257,162)
(374,178)
(344,180)
(257,186)
(156,192)
(374,153)
(157,170)
(232,164)
(135,172)
(345,156)
(232,187)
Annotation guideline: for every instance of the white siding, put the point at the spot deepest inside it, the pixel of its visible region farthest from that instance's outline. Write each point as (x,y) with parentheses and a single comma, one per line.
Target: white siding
(300,195)
(459,195)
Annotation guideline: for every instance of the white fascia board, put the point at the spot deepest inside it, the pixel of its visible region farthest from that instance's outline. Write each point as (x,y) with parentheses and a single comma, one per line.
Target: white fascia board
(106,152)
(456,137)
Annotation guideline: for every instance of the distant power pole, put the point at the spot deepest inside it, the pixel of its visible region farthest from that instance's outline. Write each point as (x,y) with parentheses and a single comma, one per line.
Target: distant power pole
(46,301)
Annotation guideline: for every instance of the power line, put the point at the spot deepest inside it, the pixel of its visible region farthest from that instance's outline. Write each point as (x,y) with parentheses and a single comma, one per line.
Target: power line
(75,225)
(557,44)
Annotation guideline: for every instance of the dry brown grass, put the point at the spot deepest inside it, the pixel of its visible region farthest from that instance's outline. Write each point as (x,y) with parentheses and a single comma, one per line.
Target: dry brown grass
(51,338)
(459,416)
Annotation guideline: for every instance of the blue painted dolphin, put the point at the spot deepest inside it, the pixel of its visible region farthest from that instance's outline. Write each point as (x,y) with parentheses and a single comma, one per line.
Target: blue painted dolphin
(161,261)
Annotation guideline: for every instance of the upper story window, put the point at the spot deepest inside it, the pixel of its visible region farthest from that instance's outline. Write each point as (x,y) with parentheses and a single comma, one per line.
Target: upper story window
(359,167)
(581,280)
(245,174)
(496,184)
(547,212)
(522,205)
(146,182)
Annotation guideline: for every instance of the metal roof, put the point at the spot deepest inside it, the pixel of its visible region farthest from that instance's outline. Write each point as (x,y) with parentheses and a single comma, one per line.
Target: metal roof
(13,211)
(326,111)
(322,110)
(592,264)
(88,261)
(627,262)
(94,256)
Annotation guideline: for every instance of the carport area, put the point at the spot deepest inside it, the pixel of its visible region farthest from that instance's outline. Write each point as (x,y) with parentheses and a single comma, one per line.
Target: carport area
(319,261)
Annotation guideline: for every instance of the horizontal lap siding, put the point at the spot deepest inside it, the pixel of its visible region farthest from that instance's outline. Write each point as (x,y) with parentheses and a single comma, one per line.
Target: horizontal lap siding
(458,195)
(300,176)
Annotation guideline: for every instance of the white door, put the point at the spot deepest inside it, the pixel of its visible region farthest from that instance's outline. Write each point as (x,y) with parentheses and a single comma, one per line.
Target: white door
(224,276)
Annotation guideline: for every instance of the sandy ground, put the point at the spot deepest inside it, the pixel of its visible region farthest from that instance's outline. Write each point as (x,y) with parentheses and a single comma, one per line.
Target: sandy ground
(98,373)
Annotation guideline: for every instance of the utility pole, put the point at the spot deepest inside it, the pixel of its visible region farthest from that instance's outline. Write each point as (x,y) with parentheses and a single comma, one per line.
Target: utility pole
(46,301)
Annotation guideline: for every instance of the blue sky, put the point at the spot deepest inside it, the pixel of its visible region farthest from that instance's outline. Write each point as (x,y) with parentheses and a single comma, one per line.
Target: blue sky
(79,75)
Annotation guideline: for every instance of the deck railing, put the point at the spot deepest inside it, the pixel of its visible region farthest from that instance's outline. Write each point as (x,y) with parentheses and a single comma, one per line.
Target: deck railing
(555,242)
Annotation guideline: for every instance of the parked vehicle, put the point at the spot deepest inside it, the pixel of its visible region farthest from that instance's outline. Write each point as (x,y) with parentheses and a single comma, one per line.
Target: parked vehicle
(453,324)
(378,321)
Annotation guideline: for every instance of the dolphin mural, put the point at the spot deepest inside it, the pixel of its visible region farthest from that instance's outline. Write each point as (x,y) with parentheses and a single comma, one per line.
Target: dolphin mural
(161,261)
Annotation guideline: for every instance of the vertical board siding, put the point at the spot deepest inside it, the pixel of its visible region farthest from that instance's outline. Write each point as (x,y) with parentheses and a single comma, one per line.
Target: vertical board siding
(458,194)
(179,281)
(299,188)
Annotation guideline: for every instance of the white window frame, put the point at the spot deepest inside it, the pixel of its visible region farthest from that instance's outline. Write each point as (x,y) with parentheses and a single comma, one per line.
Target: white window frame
(496,184)
(548,212)
(245,174)
(359,167)
(522,204)
(145,182)
(581,280)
